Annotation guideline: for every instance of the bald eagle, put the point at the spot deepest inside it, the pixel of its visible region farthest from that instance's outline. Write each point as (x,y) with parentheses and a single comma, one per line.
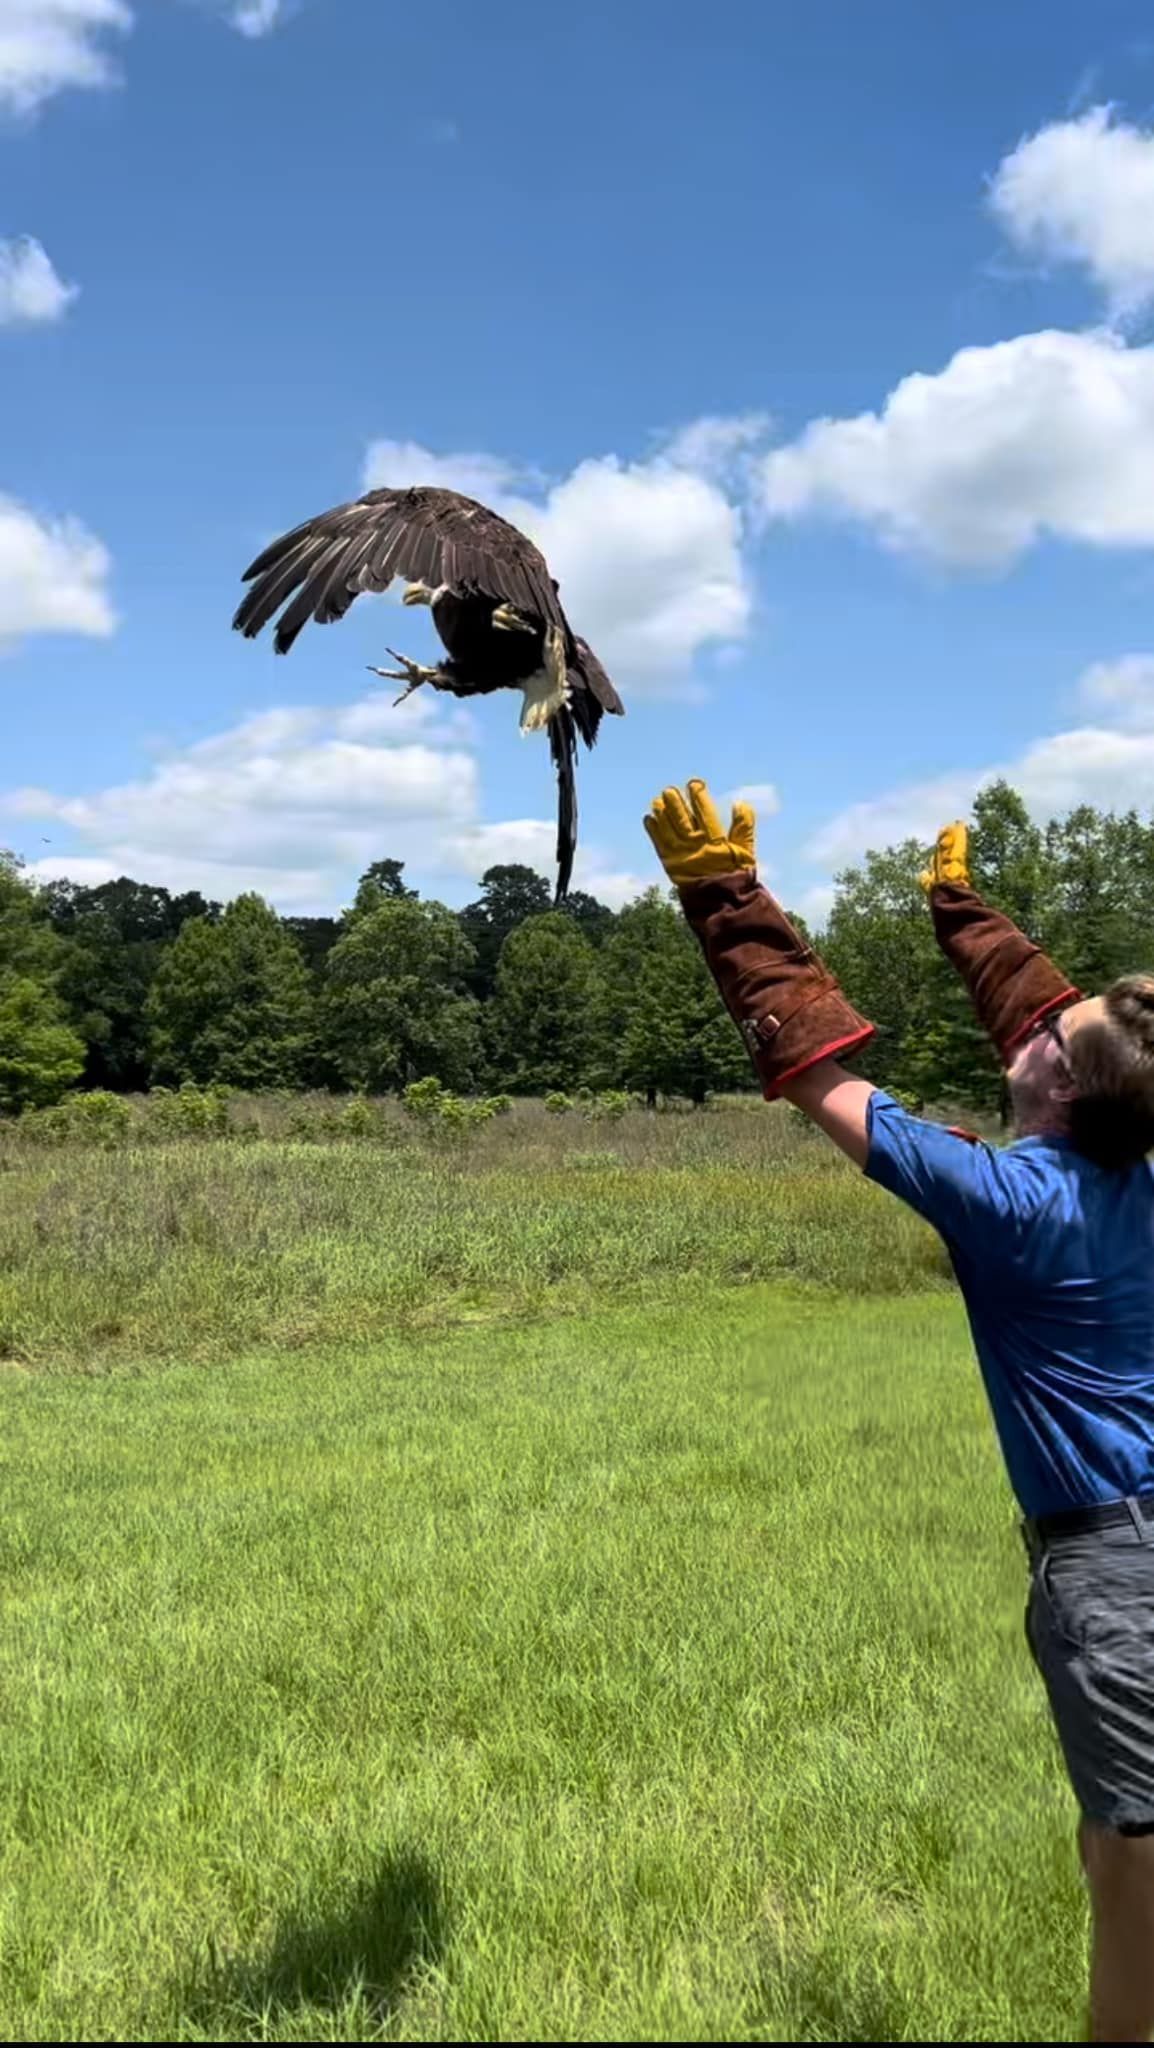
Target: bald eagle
(495,606)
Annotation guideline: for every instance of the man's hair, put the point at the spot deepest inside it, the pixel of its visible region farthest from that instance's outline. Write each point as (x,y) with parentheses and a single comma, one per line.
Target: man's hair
(1112,1063)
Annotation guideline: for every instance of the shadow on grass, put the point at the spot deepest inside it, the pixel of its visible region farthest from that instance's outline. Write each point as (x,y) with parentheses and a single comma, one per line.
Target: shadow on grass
(392,1926)
(824,1995)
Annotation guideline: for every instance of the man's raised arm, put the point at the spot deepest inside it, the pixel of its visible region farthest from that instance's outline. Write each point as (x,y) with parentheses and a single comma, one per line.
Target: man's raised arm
(788,1007)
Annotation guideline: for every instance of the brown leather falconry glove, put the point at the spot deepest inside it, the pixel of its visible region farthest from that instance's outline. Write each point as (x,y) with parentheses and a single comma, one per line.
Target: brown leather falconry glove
(1012,983)
(787,1006)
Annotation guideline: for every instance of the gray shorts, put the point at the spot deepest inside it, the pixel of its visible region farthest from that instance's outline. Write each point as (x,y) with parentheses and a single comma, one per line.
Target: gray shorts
(1090,1627)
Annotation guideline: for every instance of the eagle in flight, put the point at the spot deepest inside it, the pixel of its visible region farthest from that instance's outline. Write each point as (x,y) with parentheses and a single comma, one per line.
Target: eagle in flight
(495,606)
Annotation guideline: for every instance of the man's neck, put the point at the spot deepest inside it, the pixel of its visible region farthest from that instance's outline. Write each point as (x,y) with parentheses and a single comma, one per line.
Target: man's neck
(1041,1123)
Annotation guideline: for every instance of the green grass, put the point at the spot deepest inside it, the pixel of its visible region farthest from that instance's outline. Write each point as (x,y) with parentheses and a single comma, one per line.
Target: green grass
(654,1672)
(112,1260)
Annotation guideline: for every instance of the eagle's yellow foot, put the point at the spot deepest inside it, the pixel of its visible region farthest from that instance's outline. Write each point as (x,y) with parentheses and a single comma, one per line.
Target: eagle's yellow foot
(412,673)
(507,620)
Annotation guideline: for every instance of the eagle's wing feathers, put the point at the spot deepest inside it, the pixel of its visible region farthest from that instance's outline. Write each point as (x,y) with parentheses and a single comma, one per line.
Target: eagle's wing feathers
(591,669)
(424,534)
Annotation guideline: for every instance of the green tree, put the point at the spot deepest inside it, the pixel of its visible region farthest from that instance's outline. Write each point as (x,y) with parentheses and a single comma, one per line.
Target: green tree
(396,1007)
(40,1056)
(542,1013)
(880,943)
(595,919)
(1082,887)
(231,1002)
(509,894)
(115,937)
(381,883)
(661,1027)
(1008,859)
(1101,909)
(315,937)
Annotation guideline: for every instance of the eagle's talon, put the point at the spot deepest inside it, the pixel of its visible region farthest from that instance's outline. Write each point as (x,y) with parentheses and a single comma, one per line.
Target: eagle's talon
(412,673)
(508,620)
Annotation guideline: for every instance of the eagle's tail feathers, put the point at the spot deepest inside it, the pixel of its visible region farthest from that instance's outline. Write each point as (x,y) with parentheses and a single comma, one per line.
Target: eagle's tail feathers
(563,747)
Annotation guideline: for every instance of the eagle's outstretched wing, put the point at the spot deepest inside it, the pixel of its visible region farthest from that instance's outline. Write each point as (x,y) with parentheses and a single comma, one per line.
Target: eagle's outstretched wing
(423,534)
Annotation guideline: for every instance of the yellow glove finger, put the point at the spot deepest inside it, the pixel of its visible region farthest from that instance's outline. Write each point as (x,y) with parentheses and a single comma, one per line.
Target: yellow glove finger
(657,833)
(951,854)
(663,839)
(676,811)
(705,810)
(663,829)
(742,830)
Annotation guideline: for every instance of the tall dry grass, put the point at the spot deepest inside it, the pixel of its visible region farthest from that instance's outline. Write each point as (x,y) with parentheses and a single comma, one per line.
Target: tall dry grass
(191,1249)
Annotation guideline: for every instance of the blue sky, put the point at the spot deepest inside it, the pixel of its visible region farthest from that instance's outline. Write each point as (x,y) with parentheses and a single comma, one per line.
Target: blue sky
(613,272)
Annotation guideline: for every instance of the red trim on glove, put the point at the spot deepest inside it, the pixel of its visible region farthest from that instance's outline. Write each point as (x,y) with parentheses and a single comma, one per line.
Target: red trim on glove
(854,1039)
(1062,1002)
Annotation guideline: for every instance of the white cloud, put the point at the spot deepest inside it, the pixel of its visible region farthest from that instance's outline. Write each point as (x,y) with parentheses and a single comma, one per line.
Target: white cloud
(532,842)
(89,873)
(816,903)
(294,802)
(256,17)
(488,477)
(1123,690)
(1109,764)
(49,45)
(613,886)
(53,577)
(378,716)
(648,555)
(280,803)
(1082,191)
(762,795)
(719,445)
(529,841)
(914,810)
(30,290)
(1049,433)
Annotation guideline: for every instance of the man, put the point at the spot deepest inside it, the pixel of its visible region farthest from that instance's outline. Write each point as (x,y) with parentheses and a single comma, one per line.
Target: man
(1052,1243)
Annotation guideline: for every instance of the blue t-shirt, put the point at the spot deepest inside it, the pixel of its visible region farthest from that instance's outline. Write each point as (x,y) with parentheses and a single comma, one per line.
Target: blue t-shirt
(1055,1260)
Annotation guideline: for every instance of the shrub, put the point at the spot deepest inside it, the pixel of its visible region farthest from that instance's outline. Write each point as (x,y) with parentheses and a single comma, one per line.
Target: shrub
(96,1118)
(191,1112)
(558,1103)
(424,1098)
(611,1102)
(358,1119)
(461,1115)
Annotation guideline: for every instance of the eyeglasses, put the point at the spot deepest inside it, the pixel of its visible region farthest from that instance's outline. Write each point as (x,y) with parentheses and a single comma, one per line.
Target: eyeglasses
(1050,1026)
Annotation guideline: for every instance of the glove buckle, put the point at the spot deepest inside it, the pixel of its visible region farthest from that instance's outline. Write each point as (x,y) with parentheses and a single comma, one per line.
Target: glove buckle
(756,1030)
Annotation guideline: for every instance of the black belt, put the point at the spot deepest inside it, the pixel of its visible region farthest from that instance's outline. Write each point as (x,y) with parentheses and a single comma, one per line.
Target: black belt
(1107,1514)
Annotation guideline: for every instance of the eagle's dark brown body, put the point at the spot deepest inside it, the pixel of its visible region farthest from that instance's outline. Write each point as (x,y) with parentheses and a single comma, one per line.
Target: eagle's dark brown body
(495,606)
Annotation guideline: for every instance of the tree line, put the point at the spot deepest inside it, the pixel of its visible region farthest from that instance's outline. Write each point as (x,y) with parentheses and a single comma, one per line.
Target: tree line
(124,985)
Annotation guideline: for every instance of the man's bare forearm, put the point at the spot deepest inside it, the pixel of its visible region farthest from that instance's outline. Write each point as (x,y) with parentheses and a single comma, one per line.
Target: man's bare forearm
(837,1102)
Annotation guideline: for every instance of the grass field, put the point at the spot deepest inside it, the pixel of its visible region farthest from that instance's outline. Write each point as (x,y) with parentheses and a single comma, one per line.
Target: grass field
(509,1595)
(196,1250)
